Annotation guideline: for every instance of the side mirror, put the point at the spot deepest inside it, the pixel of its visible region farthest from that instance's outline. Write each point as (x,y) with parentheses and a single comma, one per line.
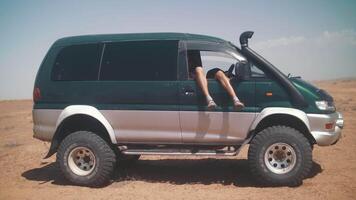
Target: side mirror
(243,70)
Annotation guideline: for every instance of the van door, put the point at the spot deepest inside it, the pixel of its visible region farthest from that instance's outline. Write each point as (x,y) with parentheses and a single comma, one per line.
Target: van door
(138,91)
(269,93)
(223,125)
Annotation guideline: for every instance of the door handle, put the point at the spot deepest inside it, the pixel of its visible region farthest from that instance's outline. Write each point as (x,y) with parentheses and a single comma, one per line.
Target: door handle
(189,93)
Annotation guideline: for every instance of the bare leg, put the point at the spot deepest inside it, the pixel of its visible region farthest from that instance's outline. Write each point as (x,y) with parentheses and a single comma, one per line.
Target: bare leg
(201,80)
(225,82)
(203,84)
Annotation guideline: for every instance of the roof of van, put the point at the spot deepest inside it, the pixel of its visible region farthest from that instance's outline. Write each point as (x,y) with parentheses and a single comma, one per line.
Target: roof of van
(134,37)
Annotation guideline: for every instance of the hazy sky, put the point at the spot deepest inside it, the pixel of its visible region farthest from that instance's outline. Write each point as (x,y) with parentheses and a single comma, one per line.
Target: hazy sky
(313,39)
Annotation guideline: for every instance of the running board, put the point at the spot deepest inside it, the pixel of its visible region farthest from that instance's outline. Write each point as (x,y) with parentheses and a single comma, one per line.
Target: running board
(179,152)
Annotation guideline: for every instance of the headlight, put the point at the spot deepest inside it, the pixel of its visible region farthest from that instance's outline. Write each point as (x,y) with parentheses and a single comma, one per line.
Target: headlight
(324,105)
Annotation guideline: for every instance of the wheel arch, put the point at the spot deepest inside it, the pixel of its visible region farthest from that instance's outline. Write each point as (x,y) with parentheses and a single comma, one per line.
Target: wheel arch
(81,117)
(291,117)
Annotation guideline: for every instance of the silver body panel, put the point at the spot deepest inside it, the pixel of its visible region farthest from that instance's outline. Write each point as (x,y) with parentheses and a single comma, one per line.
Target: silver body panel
(138,126)
(183,127)
(215,127)
(44,123)
(322,136)
(154,127)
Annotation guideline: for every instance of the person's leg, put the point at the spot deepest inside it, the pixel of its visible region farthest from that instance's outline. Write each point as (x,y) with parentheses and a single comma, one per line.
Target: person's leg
(225,82)
(203,84)
(201,80)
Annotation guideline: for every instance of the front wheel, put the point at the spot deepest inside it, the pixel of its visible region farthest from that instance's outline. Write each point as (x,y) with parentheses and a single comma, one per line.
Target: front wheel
(280,155)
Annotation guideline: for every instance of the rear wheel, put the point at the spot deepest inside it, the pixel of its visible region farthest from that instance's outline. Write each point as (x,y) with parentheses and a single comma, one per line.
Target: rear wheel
(280,155)
(86,159)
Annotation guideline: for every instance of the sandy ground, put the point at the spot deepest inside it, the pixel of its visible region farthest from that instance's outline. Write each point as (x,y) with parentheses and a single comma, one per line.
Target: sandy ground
(25,175)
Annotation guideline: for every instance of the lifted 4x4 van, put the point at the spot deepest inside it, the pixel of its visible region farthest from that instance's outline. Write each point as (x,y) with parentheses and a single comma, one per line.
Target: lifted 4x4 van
(102,100)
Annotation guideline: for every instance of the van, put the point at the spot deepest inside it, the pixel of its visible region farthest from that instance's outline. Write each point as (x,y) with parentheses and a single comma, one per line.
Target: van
(104,100)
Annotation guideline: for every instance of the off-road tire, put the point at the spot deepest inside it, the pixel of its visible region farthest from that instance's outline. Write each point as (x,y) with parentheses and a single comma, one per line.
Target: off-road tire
(280,134)
(105,159)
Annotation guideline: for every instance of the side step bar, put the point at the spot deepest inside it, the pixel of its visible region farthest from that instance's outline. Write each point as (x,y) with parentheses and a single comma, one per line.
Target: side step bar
(179,152)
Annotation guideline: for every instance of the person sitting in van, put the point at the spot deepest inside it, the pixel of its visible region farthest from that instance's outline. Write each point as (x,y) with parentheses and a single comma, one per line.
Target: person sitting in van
(196,71)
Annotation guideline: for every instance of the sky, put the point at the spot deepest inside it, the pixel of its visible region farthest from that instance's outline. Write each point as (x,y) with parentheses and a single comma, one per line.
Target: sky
(313,39)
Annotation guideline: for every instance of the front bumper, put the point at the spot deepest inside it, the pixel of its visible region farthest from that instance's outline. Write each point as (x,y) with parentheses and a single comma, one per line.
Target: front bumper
(323,136)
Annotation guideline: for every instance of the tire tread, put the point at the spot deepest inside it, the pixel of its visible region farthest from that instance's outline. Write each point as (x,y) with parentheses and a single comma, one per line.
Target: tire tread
(265,135)
(107,164)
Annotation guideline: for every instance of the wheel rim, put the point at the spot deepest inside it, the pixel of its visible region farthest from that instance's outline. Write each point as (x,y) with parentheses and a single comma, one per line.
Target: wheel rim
(81,161)
(280,158)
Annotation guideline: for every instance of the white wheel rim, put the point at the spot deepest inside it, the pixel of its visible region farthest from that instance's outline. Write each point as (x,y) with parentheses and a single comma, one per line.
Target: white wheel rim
(81,161)
(280,158)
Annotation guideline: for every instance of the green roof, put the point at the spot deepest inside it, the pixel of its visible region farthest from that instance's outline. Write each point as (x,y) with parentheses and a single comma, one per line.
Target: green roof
(135,37)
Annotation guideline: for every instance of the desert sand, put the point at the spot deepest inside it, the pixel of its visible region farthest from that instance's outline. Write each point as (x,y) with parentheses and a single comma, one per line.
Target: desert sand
(25,175)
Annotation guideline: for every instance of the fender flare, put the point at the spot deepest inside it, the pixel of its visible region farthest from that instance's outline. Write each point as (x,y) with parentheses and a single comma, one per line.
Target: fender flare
(90,111)
(280,110)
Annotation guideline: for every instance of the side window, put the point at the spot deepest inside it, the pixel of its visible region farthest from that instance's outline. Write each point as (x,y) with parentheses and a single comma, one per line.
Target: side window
(140,61)
(256,72)
(210,60)
(77,63)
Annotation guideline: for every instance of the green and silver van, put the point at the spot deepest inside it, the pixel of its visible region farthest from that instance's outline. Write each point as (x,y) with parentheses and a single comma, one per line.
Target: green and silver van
(103,100)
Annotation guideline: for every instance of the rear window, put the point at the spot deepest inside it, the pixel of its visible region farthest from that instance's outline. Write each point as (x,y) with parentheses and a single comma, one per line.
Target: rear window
(140,61)
(77,63)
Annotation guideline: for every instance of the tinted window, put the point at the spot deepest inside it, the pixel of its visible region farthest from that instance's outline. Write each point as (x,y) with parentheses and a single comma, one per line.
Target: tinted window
(140,61)
(77,63)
